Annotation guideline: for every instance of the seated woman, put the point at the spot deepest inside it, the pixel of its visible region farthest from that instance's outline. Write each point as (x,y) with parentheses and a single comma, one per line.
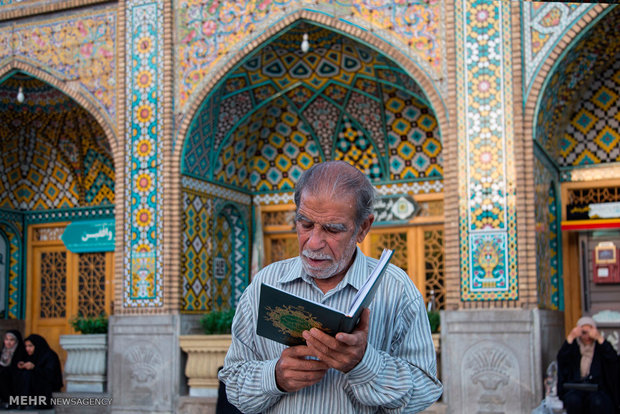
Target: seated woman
(40,370)
(587,371)
(12,352)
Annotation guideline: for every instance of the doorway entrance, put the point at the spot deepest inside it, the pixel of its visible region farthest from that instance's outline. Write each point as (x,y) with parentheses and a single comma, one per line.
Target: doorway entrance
(62,284)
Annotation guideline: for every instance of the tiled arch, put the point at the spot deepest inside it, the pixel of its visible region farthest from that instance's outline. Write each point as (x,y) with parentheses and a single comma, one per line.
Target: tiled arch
(17,65)
(422,78)
(539,82)
(539,202)
(185,119)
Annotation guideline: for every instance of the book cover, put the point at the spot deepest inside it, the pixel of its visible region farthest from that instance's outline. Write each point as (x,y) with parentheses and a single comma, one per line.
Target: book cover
(283,316)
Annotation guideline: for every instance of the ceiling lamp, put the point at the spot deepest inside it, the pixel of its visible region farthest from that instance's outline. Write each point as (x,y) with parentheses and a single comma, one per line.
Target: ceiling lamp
(20,95)
(305,45)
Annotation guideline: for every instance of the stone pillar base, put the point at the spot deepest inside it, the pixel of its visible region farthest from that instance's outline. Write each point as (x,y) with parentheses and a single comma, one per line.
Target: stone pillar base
(495,360)
(144,363)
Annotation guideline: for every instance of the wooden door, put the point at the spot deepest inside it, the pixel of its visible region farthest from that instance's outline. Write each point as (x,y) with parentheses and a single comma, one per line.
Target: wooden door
(62,284)
(418,247)
(49,294)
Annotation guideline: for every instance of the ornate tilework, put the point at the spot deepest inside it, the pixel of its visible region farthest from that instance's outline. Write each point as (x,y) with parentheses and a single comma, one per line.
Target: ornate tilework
(218,191)
(55,155)
(323,117)
(356,148)
(12,232)
(588,59)
(412,134)
(593,134)
(489,278)
(485,146)
(197,251)
(79,46)
(74,214)
(543,25)
(209,31)
(144,42)
(231,251)
(547,237)
(281,111)
(215,259)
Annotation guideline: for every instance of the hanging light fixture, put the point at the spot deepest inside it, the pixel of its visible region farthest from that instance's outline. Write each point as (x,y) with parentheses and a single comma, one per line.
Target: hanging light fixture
(20,95)
(305,45)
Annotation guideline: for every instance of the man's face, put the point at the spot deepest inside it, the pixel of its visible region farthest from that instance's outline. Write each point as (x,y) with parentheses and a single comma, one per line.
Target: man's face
(327,235)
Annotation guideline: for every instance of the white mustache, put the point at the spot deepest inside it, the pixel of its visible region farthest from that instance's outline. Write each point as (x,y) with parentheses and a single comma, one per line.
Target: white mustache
(316,255)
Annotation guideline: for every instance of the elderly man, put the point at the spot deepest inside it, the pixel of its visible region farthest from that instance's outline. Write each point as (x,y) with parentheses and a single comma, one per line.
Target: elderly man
(586,359)
(387,364)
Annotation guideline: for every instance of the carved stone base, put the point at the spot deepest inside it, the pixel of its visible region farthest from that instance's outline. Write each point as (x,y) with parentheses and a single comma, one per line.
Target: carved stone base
(494,360)
(144,368)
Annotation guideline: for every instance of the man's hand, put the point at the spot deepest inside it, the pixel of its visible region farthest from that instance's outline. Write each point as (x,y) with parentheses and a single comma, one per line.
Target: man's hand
(294,371)
(344,351)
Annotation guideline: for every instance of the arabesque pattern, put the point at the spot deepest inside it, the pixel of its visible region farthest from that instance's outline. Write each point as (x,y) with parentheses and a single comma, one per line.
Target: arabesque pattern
(78,46)
(585,67)
(281,111)
(434,266)
(208,31)
(91,284)
(544,23)
(486,149)
(144,42)
(53,289)
(55,155)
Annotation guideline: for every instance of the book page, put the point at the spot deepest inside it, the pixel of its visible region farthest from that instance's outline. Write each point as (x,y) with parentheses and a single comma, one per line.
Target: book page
(370,282)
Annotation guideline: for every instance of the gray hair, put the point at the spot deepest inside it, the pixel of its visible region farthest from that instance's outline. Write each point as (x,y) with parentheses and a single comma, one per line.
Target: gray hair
(336,178)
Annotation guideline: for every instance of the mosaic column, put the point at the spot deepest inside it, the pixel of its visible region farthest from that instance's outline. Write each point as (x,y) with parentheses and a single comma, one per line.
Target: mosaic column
(487,184)
(143,285)
(492,358)
(144,357)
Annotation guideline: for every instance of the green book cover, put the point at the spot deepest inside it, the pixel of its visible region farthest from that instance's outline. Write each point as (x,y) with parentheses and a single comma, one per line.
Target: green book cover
(283,316)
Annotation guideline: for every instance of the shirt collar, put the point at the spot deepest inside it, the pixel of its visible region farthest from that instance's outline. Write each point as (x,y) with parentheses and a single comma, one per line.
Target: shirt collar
(355,276)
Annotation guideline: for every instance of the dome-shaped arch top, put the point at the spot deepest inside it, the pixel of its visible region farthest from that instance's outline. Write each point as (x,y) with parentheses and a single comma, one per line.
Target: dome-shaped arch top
(55,154)
(282,110)
(576,121)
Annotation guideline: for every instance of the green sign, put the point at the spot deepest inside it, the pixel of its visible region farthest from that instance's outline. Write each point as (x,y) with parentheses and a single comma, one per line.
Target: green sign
(89,236)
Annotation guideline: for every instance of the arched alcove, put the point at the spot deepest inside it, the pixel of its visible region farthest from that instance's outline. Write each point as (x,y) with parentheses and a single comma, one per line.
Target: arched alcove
(279,111)
(57,168)
(575,128)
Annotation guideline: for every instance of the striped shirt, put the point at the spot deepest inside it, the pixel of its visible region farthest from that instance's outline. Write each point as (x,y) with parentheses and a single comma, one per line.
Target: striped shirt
(397,374)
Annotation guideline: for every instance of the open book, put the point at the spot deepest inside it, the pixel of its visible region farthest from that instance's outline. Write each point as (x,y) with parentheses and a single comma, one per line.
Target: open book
(283,316)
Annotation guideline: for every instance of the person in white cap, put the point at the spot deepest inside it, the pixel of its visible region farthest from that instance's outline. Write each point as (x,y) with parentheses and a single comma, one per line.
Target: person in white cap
(588,371)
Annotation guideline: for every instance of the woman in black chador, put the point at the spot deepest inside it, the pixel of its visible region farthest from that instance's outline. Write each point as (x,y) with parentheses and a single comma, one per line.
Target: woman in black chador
(587,371)
(12,352)
(40,370)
